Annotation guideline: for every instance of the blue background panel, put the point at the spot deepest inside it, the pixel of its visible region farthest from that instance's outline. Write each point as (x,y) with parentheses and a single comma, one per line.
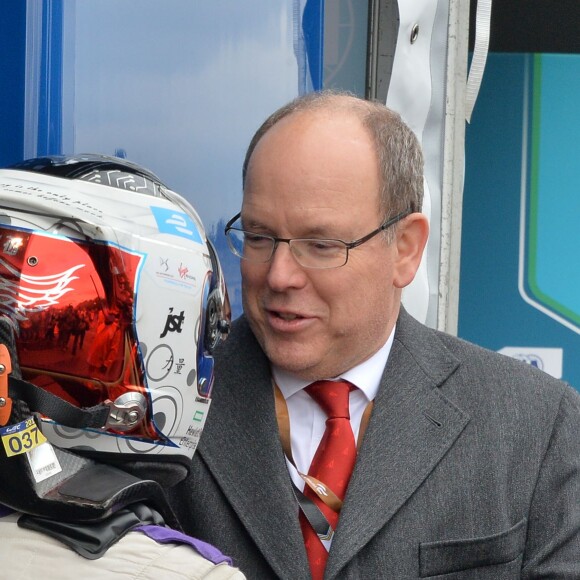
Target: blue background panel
(492,311)
(12,55)
(552,234)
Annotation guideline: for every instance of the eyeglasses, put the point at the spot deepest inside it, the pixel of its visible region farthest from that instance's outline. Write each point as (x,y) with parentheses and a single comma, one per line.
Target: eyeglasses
(308,252)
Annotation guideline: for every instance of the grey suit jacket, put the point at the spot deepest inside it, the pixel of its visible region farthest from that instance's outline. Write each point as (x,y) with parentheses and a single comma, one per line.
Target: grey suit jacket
(469,468)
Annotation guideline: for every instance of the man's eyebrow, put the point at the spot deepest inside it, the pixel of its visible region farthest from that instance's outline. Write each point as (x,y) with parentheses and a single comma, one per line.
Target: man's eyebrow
(316,231)
(320,232)
(253,224)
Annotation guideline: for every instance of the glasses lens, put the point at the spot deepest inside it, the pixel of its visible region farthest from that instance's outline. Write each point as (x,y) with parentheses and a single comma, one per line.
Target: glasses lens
(236,242)
(249,246)
(319,253)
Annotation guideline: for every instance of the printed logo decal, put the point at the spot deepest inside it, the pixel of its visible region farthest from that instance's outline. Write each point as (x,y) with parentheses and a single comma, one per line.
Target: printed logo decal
(173,323)
(176,223)
(183,270)
(33,293)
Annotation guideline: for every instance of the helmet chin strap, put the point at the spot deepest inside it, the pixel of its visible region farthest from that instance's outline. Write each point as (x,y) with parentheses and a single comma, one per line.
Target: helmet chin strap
(123,414)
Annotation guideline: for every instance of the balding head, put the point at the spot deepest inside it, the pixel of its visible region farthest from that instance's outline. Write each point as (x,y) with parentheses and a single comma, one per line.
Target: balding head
(398,151)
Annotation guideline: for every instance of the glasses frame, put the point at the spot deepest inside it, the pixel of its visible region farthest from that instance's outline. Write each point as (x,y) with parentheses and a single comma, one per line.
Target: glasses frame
(348,245)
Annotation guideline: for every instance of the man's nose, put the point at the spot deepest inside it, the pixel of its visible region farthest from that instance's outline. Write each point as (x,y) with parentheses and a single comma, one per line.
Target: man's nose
(285,271)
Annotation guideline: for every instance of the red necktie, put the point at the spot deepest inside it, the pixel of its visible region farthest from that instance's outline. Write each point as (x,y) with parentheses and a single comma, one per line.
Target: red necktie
(332,464)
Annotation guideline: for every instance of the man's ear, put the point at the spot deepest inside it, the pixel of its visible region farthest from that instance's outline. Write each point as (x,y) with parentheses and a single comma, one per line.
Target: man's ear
(411,237)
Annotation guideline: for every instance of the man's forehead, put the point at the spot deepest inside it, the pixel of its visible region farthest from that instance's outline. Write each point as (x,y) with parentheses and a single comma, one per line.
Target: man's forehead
(322,141)
(313,218)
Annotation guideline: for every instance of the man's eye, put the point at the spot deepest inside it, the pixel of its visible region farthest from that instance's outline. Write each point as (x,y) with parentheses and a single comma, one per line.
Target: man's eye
(324,246)
(255,240)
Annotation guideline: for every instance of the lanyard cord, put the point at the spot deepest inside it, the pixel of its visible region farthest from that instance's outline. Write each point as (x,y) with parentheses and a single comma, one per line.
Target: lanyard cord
(313,514)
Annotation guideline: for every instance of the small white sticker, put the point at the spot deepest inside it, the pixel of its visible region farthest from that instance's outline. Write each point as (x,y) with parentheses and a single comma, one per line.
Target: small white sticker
(43,462)
(549,360)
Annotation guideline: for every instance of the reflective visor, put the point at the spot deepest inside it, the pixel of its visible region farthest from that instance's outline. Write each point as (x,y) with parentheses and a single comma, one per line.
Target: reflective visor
(72,301)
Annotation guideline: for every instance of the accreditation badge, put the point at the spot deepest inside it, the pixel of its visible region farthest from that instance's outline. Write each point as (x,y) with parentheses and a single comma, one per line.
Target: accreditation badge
(25,437)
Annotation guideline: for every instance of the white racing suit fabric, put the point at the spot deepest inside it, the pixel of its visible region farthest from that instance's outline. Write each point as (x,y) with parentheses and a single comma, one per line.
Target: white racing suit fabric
(30,555)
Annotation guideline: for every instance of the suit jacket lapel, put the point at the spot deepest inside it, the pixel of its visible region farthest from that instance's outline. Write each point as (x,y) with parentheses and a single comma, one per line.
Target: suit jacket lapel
(241,446)
(411,428)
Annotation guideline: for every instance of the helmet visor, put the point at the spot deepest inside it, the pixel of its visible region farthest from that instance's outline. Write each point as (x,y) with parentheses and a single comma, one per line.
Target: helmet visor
(73,300)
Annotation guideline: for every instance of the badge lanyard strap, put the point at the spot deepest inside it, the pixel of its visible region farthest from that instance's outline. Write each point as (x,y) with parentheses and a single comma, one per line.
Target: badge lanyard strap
(311,511)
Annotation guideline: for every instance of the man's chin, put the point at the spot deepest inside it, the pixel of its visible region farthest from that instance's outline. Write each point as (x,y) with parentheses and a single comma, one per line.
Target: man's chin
(298,361)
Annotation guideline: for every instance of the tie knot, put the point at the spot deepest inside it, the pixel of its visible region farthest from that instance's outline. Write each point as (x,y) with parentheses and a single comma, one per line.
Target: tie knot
(332,396)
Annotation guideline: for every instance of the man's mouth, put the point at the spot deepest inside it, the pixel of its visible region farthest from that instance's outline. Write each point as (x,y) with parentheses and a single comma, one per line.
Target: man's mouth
(287,315)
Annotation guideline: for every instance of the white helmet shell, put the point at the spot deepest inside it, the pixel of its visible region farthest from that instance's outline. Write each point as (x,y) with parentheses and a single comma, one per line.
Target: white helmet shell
(109,278)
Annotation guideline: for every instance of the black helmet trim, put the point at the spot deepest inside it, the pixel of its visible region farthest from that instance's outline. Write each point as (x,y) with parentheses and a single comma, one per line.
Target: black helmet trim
(100,169)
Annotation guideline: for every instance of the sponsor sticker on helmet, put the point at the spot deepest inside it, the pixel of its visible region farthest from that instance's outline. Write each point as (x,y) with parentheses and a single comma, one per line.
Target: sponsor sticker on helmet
(176,223)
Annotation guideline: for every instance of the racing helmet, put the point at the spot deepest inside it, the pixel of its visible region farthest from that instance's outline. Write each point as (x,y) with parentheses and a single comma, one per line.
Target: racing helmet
(117,300)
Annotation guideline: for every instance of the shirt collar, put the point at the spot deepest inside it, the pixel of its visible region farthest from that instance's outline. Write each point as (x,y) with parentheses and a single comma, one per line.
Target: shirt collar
(366,375)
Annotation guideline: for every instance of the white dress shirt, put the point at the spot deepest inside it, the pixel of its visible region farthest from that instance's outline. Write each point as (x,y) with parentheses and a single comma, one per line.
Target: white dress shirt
(308,420)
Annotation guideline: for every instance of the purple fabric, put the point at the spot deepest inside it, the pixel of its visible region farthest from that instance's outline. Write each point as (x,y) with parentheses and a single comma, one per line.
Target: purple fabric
(5,511)
(167,535)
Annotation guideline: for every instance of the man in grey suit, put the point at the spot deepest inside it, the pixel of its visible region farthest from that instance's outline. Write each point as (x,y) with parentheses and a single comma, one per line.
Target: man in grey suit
(468,462)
